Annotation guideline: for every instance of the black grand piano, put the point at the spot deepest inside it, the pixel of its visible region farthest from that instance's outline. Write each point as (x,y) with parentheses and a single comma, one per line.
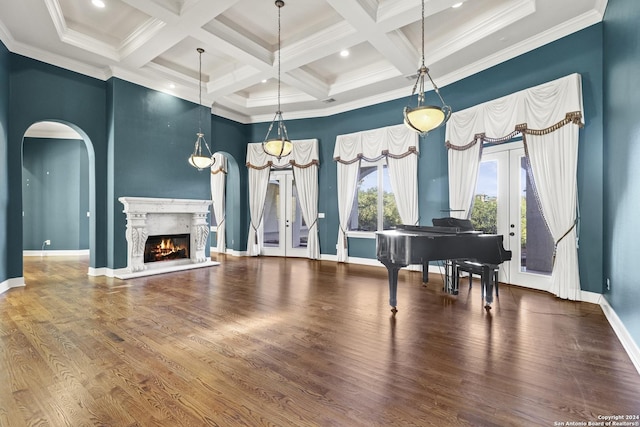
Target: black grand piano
(410,244)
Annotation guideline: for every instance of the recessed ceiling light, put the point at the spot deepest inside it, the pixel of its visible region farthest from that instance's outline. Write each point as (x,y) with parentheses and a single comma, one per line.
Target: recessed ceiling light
(264,80)
(172,86)
(457,5)
(98,3)
(344,53)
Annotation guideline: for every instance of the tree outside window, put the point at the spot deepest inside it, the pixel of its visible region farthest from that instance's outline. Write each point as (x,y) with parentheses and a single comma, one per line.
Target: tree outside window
(374,207)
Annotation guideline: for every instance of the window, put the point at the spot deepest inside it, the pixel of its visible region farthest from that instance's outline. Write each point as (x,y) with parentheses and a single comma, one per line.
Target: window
(374,207)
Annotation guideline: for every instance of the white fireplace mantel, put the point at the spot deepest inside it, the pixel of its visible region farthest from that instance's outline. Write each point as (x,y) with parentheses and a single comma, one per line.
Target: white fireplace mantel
(147,216)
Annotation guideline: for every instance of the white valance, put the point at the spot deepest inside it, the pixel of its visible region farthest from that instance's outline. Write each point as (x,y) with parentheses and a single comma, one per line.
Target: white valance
(542,108)
(303,154)
(371,145)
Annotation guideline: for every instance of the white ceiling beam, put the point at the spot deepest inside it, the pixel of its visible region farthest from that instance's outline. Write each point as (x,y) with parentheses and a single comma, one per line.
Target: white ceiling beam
(395,47)
(197,15)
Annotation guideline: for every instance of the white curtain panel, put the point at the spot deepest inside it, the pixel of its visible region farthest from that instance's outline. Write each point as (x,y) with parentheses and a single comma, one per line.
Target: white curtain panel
(400,146)
(553,158)
(258,183)
(218,182)
(304,161)
(554,164)
(305,173)
(349,148)
(548,115)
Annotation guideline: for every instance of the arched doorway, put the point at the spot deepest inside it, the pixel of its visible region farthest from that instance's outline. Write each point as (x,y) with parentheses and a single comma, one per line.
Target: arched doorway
(58,190)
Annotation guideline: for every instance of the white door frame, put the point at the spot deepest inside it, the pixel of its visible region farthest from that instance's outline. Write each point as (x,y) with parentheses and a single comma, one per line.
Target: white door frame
(289,218)
(508,157)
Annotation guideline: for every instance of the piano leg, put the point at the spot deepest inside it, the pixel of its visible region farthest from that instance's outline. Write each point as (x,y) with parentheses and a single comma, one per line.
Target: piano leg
(393,284)
(487,286)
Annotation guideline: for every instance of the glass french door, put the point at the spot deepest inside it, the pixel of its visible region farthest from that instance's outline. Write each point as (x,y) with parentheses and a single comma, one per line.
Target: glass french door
(284,230)
(505,203)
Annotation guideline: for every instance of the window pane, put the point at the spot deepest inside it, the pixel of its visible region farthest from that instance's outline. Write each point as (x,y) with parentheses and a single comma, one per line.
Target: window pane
(484,215)
(299,229)
(536,240)
(271,219)
(364,215)
(391,217)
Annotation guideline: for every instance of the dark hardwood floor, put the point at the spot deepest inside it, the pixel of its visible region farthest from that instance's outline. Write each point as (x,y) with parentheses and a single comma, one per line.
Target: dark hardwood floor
(293,342)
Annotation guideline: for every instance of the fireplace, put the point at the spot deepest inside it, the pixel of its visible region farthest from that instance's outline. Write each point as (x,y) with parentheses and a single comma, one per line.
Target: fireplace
(165,235)
(166,247)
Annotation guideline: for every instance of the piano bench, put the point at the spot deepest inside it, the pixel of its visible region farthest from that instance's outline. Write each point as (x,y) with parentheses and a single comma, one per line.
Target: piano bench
(476,268)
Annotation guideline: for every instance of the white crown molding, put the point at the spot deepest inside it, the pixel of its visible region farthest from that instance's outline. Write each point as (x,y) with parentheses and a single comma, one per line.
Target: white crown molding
(59,61)
(479,29)
(6,38)
(579,23)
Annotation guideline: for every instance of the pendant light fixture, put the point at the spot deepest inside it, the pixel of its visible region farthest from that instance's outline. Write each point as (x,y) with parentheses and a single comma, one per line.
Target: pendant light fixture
(424,118)
(280,145)
(198,160)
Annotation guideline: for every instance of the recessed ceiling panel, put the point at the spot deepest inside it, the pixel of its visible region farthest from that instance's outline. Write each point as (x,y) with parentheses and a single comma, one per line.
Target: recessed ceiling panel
(333,66)
(111,24)
(259,19)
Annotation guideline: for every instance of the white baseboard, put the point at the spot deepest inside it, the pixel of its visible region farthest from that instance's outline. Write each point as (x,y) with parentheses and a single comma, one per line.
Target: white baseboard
(621,331)
(15,282)
(101,271)
(46,252)
(214,250)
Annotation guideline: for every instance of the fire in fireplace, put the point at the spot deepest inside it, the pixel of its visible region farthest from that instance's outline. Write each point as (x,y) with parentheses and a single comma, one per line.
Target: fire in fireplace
(166,248)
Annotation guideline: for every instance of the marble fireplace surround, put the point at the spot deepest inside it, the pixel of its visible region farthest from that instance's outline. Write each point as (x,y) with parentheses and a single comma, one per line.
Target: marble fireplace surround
(147,216)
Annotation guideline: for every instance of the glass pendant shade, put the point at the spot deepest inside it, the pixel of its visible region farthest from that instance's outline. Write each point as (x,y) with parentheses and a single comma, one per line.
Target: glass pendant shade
(278,147)
(425,118)
(197,159)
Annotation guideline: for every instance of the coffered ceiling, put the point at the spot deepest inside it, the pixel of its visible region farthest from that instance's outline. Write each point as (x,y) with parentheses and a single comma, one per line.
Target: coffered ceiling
(153,43)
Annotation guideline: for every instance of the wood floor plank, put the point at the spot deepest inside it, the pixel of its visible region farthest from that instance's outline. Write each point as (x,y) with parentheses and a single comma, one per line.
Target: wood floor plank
(292,342)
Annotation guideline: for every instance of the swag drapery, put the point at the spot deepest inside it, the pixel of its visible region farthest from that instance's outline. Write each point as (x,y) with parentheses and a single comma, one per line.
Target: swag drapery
(548,117)
(304,162)
(218,182)
(399,145)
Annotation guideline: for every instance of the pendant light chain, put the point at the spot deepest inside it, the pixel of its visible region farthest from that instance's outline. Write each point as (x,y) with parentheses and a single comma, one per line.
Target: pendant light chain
(279,56)
(280,146)
(423,33)
(200,51)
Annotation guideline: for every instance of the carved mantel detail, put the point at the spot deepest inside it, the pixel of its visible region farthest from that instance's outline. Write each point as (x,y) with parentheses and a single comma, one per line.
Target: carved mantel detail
(152,216)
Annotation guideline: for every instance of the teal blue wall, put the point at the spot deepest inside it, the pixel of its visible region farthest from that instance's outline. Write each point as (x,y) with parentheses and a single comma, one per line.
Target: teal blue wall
(621,159)
(4,169)
(230,138)
(55,193)
(152,135)
(41,92)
